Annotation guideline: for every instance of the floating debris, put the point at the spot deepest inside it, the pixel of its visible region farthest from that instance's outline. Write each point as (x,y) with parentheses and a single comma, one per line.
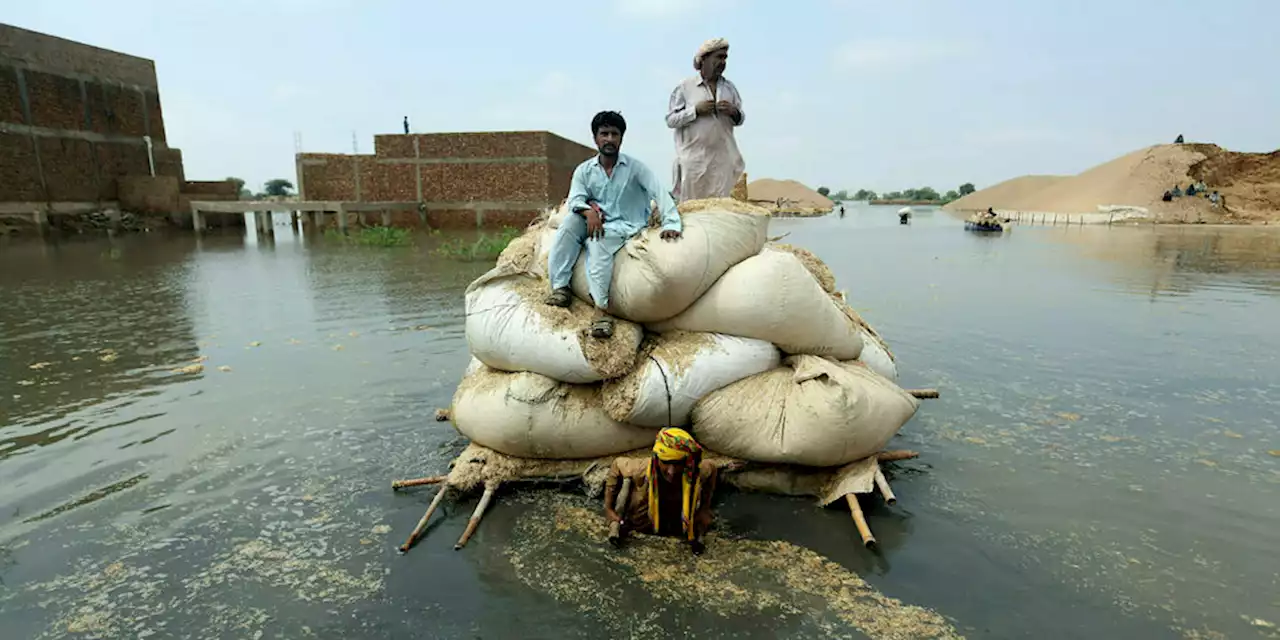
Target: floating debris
(294,341)
(40,365)
(338,347)
(1068,416)
(442,415)
(354,334)
(225,369)
(255,343)
(191,368)
(1231,434)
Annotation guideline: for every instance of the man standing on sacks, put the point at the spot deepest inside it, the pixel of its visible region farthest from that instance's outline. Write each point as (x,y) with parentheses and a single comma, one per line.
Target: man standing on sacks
(704,110)
(609,202)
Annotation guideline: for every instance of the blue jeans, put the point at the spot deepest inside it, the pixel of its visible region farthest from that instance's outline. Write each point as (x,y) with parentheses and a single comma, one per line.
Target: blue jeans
(569,240)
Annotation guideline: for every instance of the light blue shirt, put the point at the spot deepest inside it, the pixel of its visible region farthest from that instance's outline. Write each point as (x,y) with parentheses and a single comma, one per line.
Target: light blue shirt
(624,197)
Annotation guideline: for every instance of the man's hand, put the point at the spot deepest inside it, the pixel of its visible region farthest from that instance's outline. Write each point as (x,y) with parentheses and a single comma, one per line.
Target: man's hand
(595,221)
(670,234)
(612,516)
(705,107)
(727,108)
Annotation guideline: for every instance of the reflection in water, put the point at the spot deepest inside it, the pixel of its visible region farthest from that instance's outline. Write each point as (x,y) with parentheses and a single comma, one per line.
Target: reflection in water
(1098,464)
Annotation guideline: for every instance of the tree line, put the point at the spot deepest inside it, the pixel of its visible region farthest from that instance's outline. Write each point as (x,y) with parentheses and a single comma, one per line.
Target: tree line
(926,194)
(274,187)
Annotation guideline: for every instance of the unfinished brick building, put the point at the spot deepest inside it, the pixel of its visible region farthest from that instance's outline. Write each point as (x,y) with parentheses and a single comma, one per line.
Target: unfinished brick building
(81,129)
(461,179)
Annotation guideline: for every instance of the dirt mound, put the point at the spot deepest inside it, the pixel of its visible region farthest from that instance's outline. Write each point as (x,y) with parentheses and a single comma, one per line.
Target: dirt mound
(1009,194)
(1250,181)
(791,193)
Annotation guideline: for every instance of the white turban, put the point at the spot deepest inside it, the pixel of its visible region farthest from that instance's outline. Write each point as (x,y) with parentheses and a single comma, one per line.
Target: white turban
(714,44)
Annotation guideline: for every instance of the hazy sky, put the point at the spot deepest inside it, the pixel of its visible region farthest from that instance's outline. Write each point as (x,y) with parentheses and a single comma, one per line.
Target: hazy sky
(843,93)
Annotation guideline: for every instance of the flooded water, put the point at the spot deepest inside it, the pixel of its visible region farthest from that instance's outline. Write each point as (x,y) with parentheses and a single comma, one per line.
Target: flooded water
(197,437)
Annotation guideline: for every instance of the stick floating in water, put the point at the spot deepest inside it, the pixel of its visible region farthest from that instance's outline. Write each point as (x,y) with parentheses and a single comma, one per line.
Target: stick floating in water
(422,524)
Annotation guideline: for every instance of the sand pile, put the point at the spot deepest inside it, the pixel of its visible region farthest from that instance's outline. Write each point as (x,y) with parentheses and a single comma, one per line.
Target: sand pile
(1251,182)
(1011,194)
(791,193)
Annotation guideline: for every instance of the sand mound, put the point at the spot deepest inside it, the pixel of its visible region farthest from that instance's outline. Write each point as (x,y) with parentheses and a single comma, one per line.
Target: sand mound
(792,193)
(1009,194)
(1251,182)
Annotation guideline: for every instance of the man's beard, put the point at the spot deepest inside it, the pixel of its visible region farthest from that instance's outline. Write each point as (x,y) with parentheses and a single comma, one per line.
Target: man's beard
(609,150)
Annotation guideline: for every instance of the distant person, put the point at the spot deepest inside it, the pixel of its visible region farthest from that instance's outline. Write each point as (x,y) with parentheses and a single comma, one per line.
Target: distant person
(841,211)
(1191,190)
(1168,196)
(406,125)
(670,496)
(991,213)
(1177,191)
(704,110)
(1200,187)
(1214,199)
(1178,140)
(609,201)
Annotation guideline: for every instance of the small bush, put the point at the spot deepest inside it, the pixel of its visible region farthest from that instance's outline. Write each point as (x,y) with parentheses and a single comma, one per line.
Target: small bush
(374,236)
(486,247)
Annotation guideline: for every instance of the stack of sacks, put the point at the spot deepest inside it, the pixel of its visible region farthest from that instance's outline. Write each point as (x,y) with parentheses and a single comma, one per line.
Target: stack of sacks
(747,342)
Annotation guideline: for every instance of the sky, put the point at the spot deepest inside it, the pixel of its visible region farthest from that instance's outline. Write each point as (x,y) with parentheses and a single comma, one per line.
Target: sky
(847,94)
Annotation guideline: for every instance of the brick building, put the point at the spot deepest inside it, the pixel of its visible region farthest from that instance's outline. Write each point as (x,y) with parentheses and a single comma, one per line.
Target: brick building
(461,179)
(76,122)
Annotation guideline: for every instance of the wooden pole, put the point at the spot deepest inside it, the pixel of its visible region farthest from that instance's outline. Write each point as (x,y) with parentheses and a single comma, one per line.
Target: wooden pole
(860,521)
(417,482)
(422,524)
(620,506)
(900,454)
(489,488)
(923,393)
(883,484)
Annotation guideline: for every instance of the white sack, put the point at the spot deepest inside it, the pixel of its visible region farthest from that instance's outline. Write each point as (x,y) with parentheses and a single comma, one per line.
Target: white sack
(811,411)
(876,356)
(655,279)
(680,369)
(532,416)
(510,328)
(772,297)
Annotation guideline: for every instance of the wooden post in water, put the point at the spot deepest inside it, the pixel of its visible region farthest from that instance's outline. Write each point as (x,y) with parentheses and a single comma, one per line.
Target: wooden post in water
(489,488)
(860,521)
(422,524)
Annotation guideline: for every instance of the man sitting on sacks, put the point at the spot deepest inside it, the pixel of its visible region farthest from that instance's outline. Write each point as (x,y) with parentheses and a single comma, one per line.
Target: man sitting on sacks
(608,204)
(670,496)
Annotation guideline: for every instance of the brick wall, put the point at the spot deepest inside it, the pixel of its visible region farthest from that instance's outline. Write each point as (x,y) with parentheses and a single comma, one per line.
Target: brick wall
(490,178)
(72,120)
(144,194)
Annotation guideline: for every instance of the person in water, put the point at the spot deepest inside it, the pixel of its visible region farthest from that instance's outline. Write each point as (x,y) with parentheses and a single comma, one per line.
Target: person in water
(609,202)
(670,493)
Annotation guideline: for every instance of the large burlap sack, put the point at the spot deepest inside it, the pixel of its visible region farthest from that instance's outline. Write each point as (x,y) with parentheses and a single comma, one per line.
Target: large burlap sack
(875,351)
(772,297)
(509,327)
(532,416)
(811,411)
(677,369)
(655,279)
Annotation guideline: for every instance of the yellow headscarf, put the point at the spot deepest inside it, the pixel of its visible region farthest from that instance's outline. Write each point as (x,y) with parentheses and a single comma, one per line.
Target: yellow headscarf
(676,445)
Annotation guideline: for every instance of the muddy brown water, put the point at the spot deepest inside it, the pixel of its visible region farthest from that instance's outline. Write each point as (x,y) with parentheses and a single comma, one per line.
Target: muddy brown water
(1103,461)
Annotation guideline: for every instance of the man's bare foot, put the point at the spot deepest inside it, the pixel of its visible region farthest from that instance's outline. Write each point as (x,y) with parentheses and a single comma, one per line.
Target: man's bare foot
(561,297)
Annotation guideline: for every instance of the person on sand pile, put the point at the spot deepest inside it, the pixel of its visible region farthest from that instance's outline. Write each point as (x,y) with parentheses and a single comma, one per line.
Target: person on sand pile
(703,110)
(670,496)
(609,202)
(1177,191)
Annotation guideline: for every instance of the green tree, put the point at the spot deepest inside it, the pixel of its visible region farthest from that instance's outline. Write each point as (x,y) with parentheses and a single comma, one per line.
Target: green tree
(966,189)
(926,193)
(864,194)
(823,191)
(839,195)
(277,187)
(239,182)
(951,195)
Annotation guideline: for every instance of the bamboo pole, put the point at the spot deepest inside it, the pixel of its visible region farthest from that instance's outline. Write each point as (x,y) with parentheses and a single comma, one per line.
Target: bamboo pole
(620,506)
(923,393)
(474,522)
(860,521)
(883,484)
(417,482)
(893,456)
(422,524)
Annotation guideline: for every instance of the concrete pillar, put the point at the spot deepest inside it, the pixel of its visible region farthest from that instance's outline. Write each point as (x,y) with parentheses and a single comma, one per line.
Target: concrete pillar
(342,219)
(386,218)
(197,221)
(41,219)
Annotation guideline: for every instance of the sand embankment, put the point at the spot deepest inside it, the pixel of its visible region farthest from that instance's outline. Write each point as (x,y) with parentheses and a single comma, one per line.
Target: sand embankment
(788,197)
(1132,186)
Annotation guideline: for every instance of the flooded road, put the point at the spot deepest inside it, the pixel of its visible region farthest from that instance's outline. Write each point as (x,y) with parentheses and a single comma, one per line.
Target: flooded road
(197,438)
